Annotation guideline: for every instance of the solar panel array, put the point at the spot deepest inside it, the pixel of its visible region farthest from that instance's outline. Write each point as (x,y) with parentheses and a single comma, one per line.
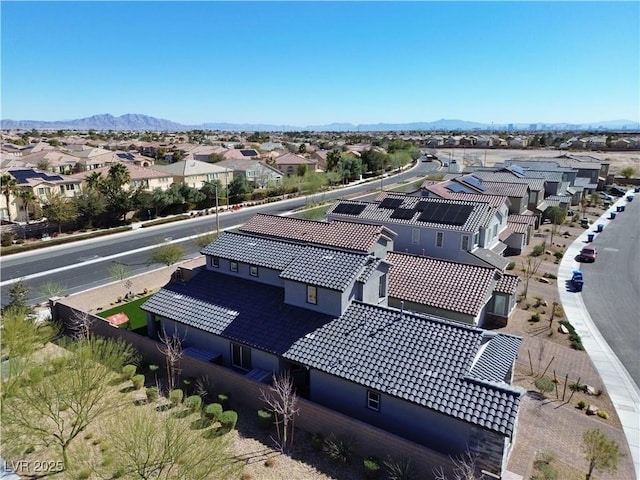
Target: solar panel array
(22,176)
(403,213)
(518,170)
(390,203)
(474,182)
(421,205)
(457,188)
(349,208)
(445,213)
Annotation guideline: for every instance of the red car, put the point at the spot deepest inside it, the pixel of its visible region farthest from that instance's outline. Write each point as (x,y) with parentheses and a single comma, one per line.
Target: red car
(588,254)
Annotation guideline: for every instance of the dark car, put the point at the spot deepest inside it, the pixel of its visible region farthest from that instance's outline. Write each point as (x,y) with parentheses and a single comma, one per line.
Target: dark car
(588,254)
(617,191)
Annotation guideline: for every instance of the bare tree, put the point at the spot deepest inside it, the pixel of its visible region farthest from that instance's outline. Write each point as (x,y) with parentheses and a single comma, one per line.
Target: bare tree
(80,325)
(464,468)
(530,268)
(283,402)
(172,350)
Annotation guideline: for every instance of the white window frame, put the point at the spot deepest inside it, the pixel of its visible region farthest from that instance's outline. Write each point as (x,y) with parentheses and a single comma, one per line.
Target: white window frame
(415,236)
(240,357)
(215,262)
(439,239)
(382,286)
(465,242)
(233,266)
(373,400)
(253,270)
(312,294)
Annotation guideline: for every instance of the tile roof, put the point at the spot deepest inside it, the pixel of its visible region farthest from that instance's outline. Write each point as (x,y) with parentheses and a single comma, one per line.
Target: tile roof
(489,197)
(507,177)
(135,172)
(185,168)
(293,159)
(348,235)
(331,269)
(507,189)
(494,364)
(217,303)
(517,227)
(507,284)
(371,213)
(442,284)
(527,219)
(416,358)
(488,256)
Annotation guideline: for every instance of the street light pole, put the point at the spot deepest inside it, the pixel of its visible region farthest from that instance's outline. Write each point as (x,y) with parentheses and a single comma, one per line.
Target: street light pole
(217,217)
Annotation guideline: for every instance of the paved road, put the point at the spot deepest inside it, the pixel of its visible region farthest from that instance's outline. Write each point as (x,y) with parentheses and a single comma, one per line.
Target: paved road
(84,265)
(612,286)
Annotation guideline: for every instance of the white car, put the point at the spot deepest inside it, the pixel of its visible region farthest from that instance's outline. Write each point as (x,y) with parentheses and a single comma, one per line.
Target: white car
(605,196)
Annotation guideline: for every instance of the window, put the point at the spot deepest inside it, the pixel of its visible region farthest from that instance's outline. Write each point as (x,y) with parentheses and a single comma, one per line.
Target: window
(233,266)
(499,305)
(240,357)
(253,270)
(382,286)
(373,400)
(476,238)
(439,236)
(415,235)
(465,242)
(215,262)
(41,191)
(70,187)
(312,294)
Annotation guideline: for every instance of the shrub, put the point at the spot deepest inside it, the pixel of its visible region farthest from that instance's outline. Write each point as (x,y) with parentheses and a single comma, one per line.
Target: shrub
(399,469)
(537,251)
(176,396)
(83,474)
(544,385)
(603,414)
(7,239)
(371,467)
(138,381)
(317,441)
(582,405)
(228,419)
(339,449)
(193,403)
(128,371)
(558,255)
(213,411)
(576,341)
(535,317)
(265,418)
(511,266)
(270,462)
(152,394)
(223,399)
(36,375)
(577,387)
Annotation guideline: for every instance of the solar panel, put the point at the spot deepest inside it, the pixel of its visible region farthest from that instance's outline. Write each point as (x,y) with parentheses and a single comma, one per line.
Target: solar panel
(349,208)
(474,182)
(248,153)
(457,188)
(403,213)
(421,205)
(518,170)
(390,203)
(447,214)
(22,176)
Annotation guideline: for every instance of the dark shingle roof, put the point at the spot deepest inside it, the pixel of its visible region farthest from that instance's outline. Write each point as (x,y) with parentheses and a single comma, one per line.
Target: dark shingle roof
(326,268)
(447,285)
(415,358)
(352,236)
(218,304)
(495,361)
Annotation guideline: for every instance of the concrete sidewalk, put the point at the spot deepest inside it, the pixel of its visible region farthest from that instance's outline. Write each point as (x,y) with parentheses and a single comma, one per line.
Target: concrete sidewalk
(622,390)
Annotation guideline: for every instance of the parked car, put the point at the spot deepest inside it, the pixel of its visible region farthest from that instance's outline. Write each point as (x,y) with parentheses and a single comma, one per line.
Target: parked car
(588,254)
(605,196)
(617,191)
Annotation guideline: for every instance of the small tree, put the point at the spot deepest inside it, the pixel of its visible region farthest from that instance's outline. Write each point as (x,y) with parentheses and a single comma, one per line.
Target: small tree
(59,210)
(172,350)
(283,402)
(602,453)
(530,267)
(628,172)
(52,289)
(544,385)
(464,468)
(557,216)
(18,298)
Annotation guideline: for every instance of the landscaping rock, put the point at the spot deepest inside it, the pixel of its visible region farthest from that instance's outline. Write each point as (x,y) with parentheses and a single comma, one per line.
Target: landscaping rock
(589,390)
(592,410)
(544,280)
(563,329)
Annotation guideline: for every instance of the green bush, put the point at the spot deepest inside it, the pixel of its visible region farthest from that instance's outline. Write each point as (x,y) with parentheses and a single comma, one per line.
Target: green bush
(193,403)
(228,419)
(603,414)
(582,405)
(128,371)
(558,255)
(138,381)
(511,266)
(265,418)
(36,374)
(371,467)
(83,474)
(399,469)
(213,411)
(576,341)
(535,317)
(7,239)
(544,385)
(537,251)
(176,396)
(152,394)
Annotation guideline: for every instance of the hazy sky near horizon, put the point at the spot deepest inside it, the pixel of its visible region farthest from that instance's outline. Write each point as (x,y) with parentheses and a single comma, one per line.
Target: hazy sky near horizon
(313,63)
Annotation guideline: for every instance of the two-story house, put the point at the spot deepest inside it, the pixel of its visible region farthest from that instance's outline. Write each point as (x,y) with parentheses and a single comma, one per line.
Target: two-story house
(263,305)
(258,174)
(195,173)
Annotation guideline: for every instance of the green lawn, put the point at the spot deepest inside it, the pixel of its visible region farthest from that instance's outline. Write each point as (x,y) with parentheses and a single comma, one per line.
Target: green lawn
(137,318)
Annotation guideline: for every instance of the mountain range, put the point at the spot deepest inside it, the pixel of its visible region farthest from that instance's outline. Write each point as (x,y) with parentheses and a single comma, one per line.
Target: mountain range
(140,122)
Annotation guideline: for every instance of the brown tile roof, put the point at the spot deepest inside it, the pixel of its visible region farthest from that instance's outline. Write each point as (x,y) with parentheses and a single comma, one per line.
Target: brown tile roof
(526,219)
(353,236)
(293,159)
(507,284)
(452,286)
(517,227)
(136,172)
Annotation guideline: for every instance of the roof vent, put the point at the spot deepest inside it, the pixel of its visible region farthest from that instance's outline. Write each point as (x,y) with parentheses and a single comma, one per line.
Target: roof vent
(327,257)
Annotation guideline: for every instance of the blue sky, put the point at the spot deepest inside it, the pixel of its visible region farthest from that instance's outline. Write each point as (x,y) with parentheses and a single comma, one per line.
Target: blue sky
(304,63)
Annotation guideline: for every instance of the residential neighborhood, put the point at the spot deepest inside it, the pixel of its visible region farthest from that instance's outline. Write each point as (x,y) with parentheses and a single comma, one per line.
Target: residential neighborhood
(392,310)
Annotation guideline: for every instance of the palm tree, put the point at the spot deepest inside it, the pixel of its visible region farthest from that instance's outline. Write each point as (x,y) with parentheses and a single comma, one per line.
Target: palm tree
(28,199)
(119,174)
(8,184)
(93,180)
